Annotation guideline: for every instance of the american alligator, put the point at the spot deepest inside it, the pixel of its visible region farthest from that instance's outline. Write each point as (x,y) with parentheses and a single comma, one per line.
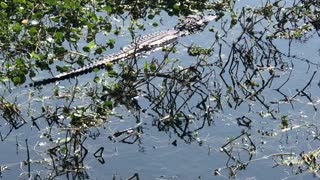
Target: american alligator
(190,25)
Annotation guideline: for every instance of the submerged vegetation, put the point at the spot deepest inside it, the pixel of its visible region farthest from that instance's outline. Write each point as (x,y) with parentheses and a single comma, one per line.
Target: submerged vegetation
(246,87)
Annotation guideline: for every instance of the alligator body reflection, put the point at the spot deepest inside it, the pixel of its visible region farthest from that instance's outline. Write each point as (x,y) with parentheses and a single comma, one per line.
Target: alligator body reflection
(148,43)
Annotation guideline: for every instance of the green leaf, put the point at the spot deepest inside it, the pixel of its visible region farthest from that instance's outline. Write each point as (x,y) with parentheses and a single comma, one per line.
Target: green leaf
(99,50)
(51,2)
(234,19)
(284,122)
(116,87)
(112,73)
(92,45)
(4,79)
(108,9)
(32,74)
(96,70)
(108,104)
(17,27)
(18,80)
(145,67)
(33,31)
(33,55)
(58,36)
(80,61)
(63,68)
(150,16)
(111,43)
(155,24)
(140,26)
(19,1)
(153,67)
(3,5)
(176,7)
(56,92)
(109,66)
(117,32)
(59,51)
(86,49)
(96,79)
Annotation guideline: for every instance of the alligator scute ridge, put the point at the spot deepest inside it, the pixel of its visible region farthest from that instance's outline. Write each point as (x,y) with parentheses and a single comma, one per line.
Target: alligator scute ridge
(149,42)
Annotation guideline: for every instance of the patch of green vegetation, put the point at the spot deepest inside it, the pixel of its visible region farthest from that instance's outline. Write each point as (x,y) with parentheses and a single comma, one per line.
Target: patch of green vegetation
(197,50)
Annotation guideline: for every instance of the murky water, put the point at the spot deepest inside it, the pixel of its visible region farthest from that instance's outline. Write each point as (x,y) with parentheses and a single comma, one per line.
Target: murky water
(170,129)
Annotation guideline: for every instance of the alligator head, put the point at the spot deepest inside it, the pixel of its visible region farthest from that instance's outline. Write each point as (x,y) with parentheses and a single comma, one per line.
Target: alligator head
(194,23)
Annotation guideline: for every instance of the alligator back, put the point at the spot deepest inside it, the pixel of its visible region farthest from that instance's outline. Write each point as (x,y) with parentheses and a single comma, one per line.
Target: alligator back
(140,45)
